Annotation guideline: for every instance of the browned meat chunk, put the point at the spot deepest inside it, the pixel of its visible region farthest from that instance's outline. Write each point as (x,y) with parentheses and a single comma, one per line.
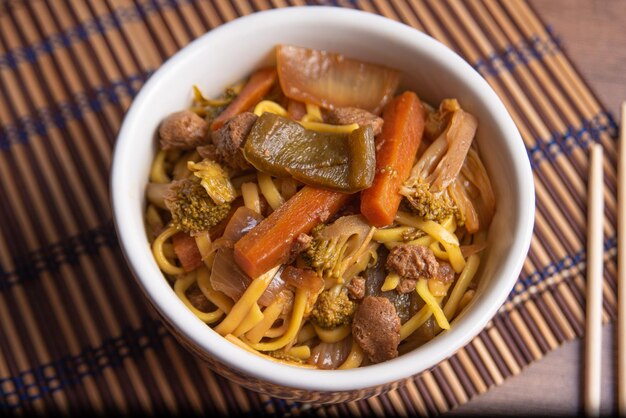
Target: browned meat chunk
(356,287)
(183,130)
(301,244)
(376,328)
(413,262)
(208,151)
(348,115)
(406,285)
(445,273)
(197,298)
(231,137)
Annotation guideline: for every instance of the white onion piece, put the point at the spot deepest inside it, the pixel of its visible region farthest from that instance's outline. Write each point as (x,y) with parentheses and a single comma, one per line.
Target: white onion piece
(331,80)
(330,355)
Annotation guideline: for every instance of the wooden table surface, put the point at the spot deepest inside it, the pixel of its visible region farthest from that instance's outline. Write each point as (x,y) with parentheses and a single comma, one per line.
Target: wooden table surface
(593,33)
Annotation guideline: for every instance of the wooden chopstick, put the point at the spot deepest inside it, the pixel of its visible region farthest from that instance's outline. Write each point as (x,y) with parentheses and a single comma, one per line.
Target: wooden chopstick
(621,267)
(593,326)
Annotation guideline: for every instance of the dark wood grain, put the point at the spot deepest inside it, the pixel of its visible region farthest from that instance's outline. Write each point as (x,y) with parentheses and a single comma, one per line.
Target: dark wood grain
(593,34)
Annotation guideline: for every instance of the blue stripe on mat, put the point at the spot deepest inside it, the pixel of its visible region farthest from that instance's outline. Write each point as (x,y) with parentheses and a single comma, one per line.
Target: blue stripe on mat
(91,361)
(51,257)
(97,26)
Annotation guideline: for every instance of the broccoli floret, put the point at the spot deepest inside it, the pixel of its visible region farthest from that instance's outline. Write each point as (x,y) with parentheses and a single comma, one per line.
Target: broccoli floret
(331,311)
(214,179)
(325,256)
(192,208)
(431,206)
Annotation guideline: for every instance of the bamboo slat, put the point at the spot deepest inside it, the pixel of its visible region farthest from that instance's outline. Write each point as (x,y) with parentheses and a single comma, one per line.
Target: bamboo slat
(75,332)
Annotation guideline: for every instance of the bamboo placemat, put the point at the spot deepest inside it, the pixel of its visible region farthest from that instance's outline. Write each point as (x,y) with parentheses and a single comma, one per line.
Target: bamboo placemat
(75,332)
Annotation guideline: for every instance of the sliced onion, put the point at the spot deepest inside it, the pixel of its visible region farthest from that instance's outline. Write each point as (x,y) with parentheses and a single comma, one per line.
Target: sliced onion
(228,278)
(330,355)
(276,286)
(464,203)
(474,170)
(242,221)
(459,135)
(331,80)
(303,279)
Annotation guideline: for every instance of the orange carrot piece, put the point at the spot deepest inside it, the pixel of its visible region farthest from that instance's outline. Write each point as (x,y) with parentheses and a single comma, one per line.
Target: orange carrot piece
(257,86)
(187,251)
(268,244)
(396,147)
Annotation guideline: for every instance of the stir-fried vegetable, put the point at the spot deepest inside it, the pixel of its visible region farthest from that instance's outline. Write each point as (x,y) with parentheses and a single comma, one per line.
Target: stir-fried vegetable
(337,246)
(214,179)
(396,147)
(332,310)
(192,208)
(438,186)
(281,147)
(257,86)
(332,80)
(269,244)
(187,251)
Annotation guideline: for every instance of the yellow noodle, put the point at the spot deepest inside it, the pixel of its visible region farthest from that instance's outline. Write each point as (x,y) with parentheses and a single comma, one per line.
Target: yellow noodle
(239,180)
(275,332)
(432,303)
(354,359)
(395,235)
(306,333)
(432,228)
(467,298)
(391,282)
(253,317)
(450,308)
(302,352)
(241,344)
(245,302)
(168,250)
(269,107)
(180,287)
(367,258)
(435,247)
(327,128)
(217,298)
(203,242)
(425,241)
(332,335)
(157,250)
(250,194)
(313,113)
(416,321)
(449,241)
(299,304)
(269,190)
(270,315)
(157,171)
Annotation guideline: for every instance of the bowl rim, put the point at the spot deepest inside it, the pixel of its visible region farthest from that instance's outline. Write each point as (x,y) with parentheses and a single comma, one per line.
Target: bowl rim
(404,366)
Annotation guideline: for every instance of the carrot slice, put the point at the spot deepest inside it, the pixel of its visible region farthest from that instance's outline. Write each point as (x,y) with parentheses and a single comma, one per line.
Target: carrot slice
(268,244)
(187,251)
(257,86)
(396,147)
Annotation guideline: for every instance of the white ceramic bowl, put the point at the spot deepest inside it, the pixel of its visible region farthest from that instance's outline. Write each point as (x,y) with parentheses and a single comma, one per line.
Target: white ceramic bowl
(230,53)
